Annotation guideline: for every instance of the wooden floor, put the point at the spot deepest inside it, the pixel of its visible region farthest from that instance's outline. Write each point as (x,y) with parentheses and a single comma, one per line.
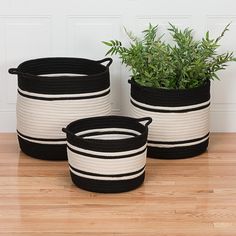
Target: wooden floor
(194,196)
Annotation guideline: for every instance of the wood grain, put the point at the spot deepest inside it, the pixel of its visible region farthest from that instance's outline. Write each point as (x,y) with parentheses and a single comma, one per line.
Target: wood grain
(189,197)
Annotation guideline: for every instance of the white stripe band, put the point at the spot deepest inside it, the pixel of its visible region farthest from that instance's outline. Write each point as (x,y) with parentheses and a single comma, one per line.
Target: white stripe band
(165,108)
(45,119)
(108,154)
(108,130)
(107,166)
(107,178)
(80,95)
(42,142)
(174,127)
(177,145)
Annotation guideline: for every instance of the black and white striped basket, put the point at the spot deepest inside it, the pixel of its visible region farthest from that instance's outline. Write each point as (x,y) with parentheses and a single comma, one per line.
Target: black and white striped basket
(107,154)
(180,126)
(53,92)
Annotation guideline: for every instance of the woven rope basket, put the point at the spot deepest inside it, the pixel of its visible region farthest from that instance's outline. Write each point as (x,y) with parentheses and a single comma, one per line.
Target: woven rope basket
(53,92)
(180,126)
(107,154)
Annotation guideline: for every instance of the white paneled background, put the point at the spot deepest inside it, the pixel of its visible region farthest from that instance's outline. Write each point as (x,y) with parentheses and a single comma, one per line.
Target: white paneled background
(46,28)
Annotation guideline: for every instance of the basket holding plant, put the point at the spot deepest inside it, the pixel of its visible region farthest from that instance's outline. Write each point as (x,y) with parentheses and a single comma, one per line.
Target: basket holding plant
(171,83)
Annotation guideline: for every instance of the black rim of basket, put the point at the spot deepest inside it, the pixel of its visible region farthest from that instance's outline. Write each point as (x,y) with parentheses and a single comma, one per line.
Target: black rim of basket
(108,122)
(18,70)
(82,75)
(170,97)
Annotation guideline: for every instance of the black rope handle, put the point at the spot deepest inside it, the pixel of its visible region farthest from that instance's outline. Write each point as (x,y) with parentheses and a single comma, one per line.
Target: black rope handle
(148,119)
(131,81)
(105,60)
(65,130)
(15,71)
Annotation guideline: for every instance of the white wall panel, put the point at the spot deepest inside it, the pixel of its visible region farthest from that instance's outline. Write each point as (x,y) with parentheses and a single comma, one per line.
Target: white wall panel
(32,29)
(25,38)
(223,91)
(85,36)
(182,21)
(2,63)
(223,108)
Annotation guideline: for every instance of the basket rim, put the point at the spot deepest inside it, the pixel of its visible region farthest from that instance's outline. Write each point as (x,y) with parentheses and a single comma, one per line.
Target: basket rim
(45,59)
(93,120)
(166,90)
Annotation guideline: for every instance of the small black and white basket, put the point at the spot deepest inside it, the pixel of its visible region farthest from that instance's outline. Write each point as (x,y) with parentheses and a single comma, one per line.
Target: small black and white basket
(53,92)
(107,154)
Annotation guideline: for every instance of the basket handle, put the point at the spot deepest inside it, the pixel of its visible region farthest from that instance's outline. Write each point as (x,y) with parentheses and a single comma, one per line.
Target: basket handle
(15,71)
(148,119)
(131,81)
(65,130)
(106,59)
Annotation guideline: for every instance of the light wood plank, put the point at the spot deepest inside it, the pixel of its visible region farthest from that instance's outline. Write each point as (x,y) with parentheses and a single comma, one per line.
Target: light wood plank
(188,197)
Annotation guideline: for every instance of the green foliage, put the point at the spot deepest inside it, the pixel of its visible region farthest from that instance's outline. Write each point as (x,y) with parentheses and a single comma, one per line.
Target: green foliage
(187,64)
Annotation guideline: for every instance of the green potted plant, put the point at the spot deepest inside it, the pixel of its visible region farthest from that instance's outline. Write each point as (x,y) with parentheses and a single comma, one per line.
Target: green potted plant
(171,84)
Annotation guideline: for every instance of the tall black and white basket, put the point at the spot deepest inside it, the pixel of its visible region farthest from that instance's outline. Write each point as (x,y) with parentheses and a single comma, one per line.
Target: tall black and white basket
(52,92)
(107,154)
(180,126)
